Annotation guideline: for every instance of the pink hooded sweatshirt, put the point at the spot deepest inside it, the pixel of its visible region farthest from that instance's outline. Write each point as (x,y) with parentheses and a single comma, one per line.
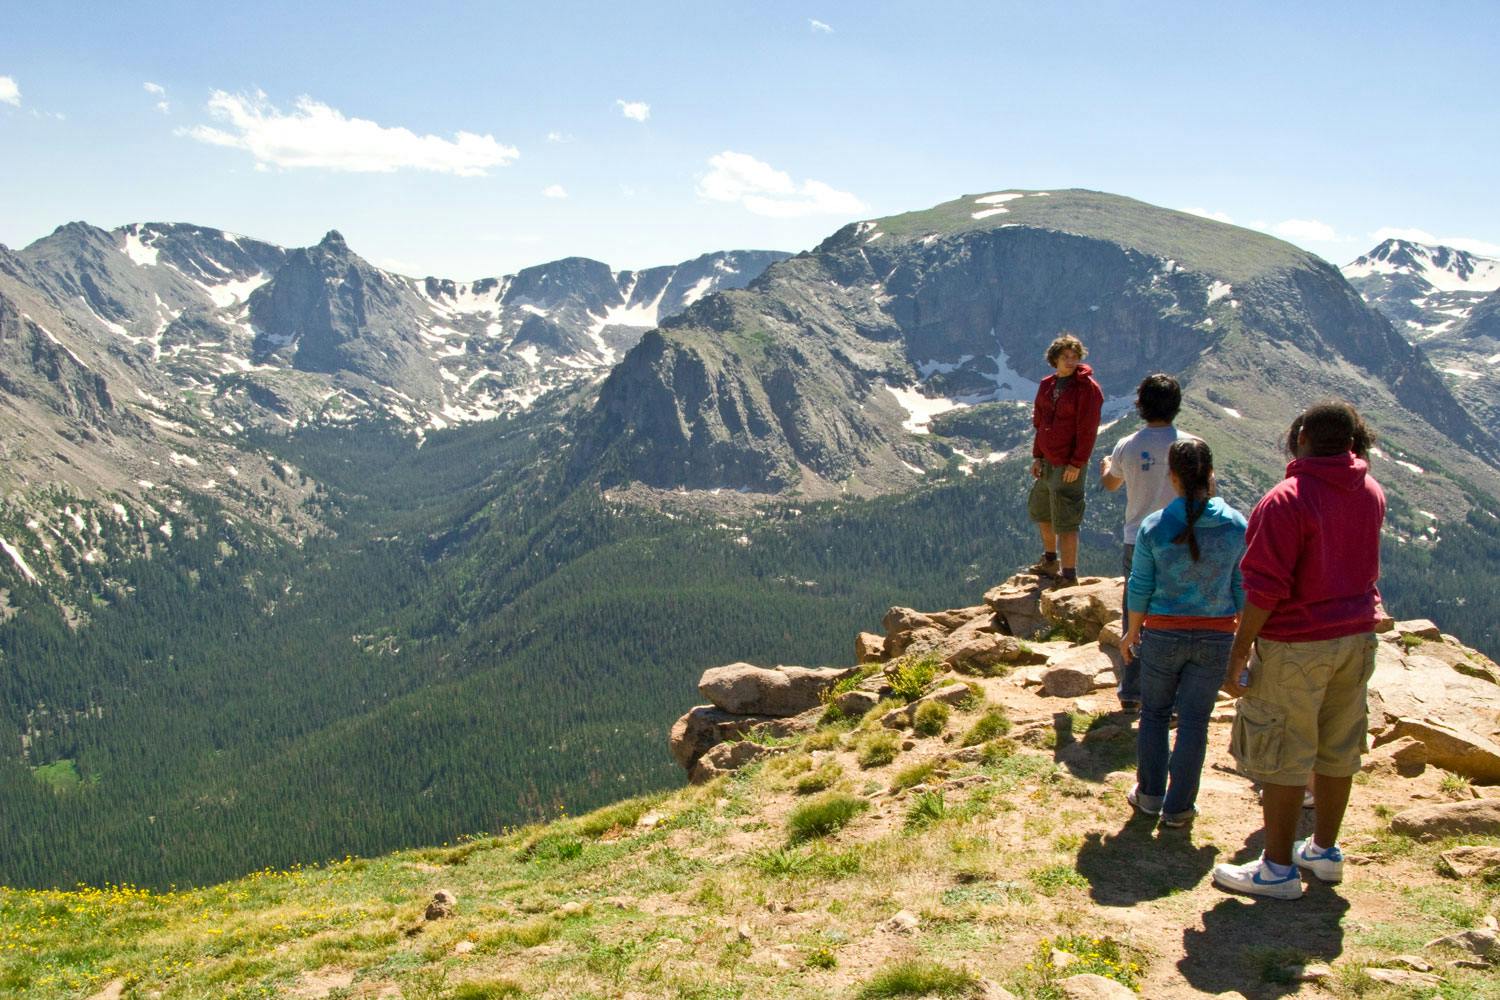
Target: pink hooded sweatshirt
(1312,550)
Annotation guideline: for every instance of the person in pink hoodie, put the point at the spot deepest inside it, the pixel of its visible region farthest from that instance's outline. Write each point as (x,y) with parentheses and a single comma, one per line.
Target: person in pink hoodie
(1312,558)
(1066,418)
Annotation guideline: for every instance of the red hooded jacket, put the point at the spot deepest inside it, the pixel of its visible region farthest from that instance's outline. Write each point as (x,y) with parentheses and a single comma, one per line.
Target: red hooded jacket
(1312,551)
(1065,430)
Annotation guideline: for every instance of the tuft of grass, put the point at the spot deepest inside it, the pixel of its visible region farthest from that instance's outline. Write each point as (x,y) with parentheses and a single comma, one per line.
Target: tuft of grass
(914,675)
(930,718)
(822,958)
(492,989)
(824,777)
(1100,956)
(1058,878)
(988,726)
(877,749)
(824,815)
(834,865)
(1456,786)
(1411,641)
(621,815)
(909,777)
(872,718)
(781,861)
(526,935)
(919,978)
(926,809)
(825,739)
(851,682)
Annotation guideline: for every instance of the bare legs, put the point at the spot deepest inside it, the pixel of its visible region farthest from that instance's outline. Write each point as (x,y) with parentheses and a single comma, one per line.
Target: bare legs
(1065,544)
(1282,805)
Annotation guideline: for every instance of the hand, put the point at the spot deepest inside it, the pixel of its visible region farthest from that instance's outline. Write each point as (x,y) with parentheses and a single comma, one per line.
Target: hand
(1128,642)
(1103,466)
(1036,468)
(1071,473)
(1238,660)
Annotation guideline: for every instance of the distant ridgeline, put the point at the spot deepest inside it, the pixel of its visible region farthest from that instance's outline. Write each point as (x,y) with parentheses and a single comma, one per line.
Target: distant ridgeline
(243,626)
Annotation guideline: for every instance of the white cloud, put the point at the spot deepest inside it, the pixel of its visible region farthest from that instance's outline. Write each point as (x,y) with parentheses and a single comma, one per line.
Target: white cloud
(1306,229)
(636,111)
(554,191)
(820,26)
(1205,213)
(558,137)
(10,91)
(1481,247)
(157,90)
(764,190)
(316,135)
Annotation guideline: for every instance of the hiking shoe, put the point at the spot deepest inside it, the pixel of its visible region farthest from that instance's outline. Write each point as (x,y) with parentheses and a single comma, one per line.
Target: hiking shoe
(1148,804)
(1256,880)
(1045,567)
(1178,820)
(1060,582)
(1327,865)
(1130,705)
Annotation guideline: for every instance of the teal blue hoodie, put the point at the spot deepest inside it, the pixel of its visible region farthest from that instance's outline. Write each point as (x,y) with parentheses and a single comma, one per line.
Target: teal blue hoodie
(1164,579)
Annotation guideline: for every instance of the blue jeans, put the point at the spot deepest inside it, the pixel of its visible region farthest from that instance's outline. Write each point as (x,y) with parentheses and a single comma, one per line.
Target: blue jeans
(1181,669)
(1130,673)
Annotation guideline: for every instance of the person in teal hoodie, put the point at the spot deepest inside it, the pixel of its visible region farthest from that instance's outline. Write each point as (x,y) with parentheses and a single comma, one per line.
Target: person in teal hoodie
(1183,598)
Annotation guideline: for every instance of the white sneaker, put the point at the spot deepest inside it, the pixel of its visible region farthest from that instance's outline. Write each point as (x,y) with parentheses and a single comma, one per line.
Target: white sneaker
(1256,880)
(1148,804)
(1327,865)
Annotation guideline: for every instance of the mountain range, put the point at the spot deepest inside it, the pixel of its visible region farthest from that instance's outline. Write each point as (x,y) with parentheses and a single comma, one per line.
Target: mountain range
(439,556)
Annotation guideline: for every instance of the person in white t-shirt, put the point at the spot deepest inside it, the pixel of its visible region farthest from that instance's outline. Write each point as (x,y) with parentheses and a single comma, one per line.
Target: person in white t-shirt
(1139,463)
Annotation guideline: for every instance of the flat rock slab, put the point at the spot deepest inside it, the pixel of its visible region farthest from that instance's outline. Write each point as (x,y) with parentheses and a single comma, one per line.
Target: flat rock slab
(1477,816)
(1089,986)
(1469,861)
(1454,749)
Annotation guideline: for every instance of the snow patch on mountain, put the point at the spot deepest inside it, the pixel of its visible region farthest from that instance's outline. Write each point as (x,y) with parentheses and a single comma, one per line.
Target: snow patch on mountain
(19,560)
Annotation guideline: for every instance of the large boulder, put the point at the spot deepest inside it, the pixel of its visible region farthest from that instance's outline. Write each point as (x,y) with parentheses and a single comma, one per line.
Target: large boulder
(920,640)
(727,757)
(1080,670)
(1017,603)
(869,648)
(1476,816)
(1453,749)
(704,727)
(1422,686)
(745,689)
(1084,609)
(984,652)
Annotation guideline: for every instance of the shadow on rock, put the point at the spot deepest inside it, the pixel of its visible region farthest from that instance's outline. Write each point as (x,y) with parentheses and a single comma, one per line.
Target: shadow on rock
(1140,863)
(1247,943)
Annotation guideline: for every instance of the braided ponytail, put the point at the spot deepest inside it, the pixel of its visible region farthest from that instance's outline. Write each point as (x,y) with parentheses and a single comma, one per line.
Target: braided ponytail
(1193,463)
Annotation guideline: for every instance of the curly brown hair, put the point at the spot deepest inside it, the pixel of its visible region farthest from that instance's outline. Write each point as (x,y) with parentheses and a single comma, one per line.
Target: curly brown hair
(1065,342)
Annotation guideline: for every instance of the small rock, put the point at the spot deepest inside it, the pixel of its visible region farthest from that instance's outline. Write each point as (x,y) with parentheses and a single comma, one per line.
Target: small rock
(1101,733)
(856,703)
(727,757)
(1088,986)
(463,947)
(869,648)
(904,922)
(1483,943)
(650,819)
(1315,973)
(1468,963)
(1468,861)
(1403,977)
(908,744)
(1062,959)
(991,990)
(113,990)
(442,905)
(745,933)
(572,908)
(1414,962)
(1476,816)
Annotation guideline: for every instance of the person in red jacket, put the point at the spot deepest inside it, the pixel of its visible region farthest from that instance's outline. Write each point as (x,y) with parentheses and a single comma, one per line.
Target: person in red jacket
(1066,418)
(1312,559)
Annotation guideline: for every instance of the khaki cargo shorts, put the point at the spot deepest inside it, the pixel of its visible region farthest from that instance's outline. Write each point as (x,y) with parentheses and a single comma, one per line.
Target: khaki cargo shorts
(1304,711)
(1055,502)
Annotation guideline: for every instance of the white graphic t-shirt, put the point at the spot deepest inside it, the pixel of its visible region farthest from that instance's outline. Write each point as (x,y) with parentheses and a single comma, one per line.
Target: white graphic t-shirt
(1142,459)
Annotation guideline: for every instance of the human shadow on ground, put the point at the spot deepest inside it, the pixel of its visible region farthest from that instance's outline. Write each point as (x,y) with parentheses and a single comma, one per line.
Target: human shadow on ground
(1142,862)
(1107,745)
(1252,944)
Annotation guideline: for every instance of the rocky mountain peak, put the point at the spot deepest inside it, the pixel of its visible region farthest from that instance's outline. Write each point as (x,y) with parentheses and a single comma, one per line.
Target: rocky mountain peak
(333,240)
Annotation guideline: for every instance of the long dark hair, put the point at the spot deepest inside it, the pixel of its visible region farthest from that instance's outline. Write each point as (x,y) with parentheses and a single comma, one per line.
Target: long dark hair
(1332,428)
(1193,464)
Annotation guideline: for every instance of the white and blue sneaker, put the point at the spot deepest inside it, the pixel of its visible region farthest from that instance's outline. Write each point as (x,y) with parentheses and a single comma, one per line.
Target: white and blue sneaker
(1257,879)
(1148,804)
(1328,864)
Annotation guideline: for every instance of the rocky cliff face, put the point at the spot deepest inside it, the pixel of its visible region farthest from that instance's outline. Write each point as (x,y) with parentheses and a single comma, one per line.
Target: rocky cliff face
(825,375)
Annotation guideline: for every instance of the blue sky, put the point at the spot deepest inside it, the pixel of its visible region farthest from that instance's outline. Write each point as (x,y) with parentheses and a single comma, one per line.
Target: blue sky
(467,140)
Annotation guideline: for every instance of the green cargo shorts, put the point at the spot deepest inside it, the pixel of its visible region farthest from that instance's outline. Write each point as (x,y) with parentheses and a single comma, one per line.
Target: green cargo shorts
(1055,502)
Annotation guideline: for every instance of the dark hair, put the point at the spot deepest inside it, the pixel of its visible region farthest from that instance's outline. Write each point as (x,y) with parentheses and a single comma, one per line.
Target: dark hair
(1332,428)
(1192,462)
(1158,397)
(1065,342)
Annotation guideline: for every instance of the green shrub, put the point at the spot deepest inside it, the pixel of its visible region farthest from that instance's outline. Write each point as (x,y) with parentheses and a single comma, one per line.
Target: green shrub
(822,958)
(989,725)
(909,777)
(930,718)
(824,739)
(997,750)
(926,809)
(826,814)
(919,978)
(872,718)
(823,778)
(912,677)
(877,749)
(1055,878)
